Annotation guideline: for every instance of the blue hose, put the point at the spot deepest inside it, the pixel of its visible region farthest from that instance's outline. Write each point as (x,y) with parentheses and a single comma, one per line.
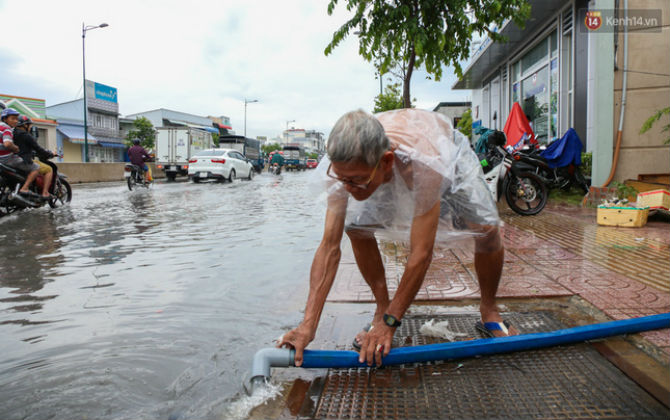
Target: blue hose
(465,349)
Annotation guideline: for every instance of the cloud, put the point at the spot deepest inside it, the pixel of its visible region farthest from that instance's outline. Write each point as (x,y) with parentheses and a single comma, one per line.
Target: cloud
(201,57)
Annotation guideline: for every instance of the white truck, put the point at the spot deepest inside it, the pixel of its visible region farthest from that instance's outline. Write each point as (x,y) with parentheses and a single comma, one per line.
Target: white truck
(176,145)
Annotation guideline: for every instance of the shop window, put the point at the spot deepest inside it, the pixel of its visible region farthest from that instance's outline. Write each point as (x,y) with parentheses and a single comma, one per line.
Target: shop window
(553,41)
(535,94)
(553,99)
(534,56)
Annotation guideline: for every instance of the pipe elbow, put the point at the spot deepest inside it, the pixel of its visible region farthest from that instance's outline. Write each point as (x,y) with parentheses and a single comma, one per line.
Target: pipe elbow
(270,357)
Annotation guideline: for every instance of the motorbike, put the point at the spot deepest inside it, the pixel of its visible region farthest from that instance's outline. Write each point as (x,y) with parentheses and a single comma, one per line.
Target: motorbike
(135,176)
(564,178)
(11,181)
(525,192)
(275,169)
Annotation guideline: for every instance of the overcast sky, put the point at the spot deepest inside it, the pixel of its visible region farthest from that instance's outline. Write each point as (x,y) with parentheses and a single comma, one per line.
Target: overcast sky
(200,57)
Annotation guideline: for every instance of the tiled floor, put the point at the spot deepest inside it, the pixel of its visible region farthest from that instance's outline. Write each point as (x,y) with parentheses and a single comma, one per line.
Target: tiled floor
(625,272)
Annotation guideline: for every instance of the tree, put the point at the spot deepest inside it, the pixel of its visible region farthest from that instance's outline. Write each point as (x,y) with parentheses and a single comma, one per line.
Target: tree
(651,120)
(390,99)
(143,130)
(428,33)
(465,123)
(215,139)
(267,148)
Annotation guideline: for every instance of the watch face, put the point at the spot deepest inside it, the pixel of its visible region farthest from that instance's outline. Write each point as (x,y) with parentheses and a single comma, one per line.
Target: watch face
(389,321)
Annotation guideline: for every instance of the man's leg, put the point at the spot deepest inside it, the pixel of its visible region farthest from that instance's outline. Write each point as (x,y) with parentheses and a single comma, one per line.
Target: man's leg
(47,183)
(370,264)
(29,181)
(489,256)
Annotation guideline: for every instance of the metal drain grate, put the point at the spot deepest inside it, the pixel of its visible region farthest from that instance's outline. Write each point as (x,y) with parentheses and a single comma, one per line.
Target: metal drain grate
(570,382)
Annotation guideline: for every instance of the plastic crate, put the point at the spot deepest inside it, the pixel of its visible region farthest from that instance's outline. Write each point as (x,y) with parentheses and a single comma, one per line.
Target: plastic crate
(622,216)
(655,200)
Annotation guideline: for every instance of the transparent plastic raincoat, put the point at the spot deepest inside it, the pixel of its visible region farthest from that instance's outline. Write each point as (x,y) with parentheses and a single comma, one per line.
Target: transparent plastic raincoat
(433,162)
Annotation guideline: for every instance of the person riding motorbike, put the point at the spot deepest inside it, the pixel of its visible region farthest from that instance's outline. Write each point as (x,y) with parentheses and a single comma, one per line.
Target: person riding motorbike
(9,151)
(28,147)
(138,156)
(277,162)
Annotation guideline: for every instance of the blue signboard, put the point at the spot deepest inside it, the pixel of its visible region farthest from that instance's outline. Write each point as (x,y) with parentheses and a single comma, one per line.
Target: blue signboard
(104,92)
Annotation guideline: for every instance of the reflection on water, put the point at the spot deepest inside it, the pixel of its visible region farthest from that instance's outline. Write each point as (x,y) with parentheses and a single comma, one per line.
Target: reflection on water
(150,303)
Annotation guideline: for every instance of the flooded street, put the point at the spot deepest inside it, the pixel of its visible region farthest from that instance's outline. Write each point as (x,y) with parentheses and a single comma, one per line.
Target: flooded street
(150,304)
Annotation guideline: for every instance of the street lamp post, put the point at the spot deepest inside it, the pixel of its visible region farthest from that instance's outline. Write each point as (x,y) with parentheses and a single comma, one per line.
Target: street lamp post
(85,28)
(246,101)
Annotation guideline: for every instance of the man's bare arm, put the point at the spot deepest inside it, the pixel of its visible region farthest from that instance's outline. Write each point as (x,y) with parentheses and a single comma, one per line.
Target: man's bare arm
(322,275)
(11,146)
(422,240)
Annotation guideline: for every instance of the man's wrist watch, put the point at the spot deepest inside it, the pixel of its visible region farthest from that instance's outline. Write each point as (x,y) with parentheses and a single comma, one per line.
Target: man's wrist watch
(391,321)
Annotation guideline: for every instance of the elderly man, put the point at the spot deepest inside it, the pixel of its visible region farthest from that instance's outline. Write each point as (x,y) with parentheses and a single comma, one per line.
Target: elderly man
(410,174)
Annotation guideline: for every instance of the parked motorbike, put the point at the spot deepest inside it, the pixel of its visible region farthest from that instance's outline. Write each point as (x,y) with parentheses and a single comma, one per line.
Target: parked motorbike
(524,191)
(136,176)
(11,181)
(564,177)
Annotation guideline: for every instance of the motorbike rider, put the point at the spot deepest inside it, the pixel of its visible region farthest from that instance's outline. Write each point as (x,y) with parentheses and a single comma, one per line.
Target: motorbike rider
(277,162)
(28,147)
(138,156)
(9,151)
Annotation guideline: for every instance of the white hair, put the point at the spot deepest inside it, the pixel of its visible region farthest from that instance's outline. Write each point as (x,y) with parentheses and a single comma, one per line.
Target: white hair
(357,135)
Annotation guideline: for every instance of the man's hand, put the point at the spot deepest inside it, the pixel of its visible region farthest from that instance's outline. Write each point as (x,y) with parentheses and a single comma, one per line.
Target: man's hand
(297,339)
(376,343)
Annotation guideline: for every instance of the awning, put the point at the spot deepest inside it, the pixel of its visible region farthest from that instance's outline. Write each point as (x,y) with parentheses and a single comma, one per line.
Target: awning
(227,127)
(112,144)
(76,134)
(495,54)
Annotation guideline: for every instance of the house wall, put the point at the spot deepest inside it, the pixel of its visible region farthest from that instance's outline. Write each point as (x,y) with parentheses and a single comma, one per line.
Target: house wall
(649,52)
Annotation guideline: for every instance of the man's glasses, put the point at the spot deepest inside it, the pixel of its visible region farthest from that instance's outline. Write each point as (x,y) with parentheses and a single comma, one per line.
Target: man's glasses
(356,182)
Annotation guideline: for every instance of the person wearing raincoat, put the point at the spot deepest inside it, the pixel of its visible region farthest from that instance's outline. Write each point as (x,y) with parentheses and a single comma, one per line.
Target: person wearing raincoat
(408,175)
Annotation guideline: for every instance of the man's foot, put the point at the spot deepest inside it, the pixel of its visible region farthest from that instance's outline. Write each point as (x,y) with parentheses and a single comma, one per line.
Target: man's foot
(359,337)
(492,325)
(495,329)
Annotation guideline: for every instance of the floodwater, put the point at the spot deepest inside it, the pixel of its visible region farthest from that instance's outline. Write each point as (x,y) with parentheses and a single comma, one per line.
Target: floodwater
(150,303)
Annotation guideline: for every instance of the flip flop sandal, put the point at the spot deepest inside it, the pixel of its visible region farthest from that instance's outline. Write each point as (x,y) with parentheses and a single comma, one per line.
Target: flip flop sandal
(354,343)
(487,328)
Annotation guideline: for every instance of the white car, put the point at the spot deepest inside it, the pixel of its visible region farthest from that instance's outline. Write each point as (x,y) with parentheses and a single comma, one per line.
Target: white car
(219,164)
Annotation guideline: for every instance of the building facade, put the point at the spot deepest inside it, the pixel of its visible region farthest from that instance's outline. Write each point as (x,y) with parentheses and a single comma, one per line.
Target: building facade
(565,74)
(36,110)
(453,110)
(311,140)
(105,142)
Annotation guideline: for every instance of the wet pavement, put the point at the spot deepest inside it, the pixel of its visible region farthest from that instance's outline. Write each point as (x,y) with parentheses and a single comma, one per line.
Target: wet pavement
(624,272)
(561,262)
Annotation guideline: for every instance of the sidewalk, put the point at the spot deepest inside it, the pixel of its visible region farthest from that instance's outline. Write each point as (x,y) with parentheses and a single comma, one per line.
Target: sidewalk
(624,272)
(561,270)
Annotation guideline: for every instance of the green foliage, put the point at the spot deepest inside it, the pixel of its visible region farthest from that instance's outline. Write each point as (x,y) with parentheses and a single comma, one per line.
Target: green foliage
(312,155)
(465,123)
(428,33)
(215,139)
(267,148)
(651,120)
(143,130)
(390,99)
(587,163)
(624,191)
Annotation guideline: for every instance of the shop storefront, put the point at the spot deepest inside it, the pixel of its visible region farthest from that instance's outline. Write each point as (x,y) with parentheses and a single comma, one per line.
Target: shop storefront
(537,75)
